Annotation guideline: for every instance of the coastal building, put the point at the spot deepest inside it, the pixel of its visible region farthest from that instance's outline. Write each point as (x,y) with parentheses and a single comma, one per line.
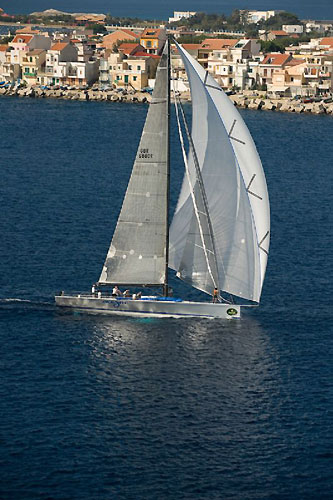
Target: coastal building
(86,50)
(318,73)
(319,26)
(55,66)
(230,65)
(110,40)
(271,63)
(9,71)
(3,50)
(90,18)
(133,71)
(178,15)
(80,73)
(130,49)
(219,46)
(254,16)
(326,45)
(33,65)
(293,28)
(272,35)
(21,44)
(288,81)
(153,40)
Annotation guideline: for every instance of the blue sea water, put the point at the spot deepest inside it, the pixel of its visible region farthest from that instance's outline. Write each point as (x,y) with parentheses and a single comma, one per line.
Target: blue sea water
(305,9)
(118,408)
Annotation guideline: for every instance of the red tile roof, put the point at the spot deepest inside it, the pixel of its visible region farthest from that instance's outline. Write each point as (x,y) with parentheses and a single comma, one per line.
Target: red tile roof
(279,33)
(130,48)
(22,38)
(327,41)
(191,46)
(145,54)
(217,43)
(295,62)
(59,46)
(276,59)
(129,32)
(27,31)
(3,48)
(150,33)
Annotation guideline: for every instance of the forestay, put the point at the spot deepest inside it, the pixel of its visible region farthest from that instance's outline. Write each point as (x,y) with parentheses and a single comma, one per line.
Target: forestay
(232,175)
(137,251)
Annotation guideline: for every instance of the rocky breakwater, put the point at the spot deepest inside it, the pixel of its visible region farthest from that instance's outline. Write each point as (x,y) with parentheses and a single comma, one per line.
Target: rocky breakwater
(78,95)
(244,100)
(282,104)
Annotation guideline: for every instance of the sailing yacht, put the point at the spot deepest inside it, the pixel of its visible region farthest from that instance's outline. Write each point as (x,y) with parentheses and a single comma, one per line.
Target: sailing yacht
(218,238)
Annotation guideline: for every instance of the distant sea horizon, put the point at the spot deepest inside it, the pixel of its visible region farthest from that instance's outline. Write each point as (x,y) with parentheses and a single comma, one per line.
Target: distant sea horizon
(304,9)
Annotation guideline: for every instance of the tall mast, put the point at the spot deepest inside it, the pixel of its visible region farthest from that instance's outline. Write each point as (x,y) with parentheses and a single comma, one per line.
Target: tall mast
(166,284)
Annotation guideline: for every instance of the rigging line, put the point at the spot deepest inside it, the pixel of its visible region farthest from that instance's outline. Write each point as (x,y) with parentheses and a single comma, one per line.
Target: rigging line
(216,284)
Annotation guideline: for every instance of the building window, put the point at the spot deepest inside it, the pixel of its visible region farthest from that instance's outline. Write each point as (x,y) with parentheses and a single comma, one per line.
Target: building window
(129,67)
(138,68)
(134,78)
(148,43)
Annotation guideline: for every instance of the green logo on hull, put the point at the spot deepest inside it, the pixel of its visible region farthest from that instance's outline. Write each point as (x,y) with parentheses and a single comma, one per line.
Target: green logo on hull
(232,311)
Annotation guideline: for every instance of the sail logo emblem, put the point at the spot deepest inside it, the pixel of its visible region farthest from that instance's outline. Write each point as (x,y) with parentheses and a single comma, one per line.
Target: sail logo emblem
(231,311)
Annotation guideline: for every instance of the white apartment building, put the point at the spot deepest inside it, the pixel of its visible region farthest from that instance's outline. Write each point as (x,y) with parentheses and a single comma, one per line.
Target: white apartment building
(293,28)
(254,16)
(178,15)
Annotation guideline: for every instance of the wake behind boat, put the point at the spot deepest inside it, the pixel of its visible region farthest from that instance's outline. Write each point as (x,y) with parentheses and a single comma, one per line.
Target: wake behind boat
(219,237)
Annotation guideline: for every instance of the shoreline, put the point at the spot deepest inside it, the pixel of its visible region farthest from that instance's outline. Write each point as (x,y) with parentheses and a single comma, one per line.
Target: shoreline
(254,101)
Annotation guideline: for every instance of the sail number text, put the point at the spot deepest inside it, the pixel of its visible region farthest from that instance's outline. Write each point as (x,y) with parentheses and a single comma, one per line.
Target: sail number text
(144,153)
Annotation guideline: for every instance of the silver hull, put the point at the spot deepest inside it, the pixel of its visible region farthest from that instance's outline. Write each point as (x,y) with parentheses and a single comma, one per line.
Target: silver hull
(147,307)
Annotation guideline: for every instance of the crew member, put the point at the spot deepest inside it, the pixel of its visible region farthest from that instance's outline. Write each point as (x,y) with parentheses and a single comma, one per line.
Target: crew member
(116,292)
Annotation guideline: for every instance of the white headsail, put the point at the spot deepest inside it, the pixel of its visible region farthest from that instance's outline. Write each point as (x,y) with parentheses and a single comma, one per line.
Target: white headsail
(137,252)
(235,188)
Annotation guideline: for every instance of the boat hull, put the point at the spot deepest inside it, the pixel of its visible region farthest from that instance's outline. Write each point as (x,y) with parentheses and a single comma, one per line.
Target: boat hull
(147,307)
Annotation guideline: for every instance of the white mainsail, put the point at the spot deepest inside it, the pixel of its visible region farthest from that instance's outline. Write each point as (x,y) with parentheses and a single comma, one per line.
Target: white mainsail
(235,187)
(137,253)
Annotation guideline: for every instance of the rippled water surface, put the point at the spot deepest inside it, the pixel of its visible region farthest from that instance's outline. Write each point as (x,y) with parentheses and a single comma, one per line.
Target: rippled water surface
(109,408)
